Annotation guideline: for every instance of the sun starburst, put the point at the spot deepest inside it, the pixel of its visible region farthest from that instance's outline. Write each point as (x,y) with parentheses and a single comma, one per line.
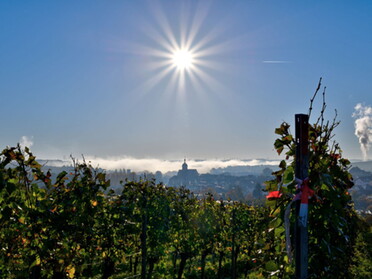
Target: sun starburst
(183,59)
(177,60)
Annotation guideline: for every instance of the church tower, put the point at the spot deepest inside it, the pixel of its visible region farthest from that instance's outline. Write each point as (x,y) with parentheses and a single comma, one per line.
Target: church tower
(185,177)
(184,165)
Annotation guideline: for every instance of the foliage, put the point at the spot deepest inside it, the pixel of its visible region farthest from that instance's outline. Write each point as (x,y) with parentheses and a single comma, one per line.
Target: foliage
(74,226)
(361,266)
(332,219)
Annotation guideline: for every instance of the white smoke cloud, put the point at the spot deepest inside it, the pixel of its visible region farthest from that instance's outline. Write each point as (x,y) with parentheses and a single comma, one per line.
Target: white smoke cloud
(363,127)
(153,165)
(26,141)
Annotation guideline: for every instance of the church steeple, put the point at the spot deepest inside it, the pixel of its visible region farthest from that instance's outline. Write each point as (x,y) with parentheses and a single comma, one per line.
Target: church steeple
(184,165)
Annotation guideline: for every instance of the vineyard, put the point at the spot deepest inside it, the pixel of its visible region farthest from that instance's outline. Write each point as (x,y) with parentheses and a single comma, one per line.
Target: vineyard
(76,227)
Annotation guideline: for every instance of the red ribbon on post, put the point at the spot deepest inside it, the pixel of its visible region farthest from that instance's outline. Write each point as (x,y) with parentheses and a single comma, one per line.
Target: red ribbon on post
(306,191)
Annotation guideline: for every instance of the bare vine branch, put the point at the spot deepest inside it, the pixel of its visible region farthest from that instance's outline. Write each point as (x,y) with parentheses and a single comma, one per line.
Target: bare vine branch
(324,106)
(313,98)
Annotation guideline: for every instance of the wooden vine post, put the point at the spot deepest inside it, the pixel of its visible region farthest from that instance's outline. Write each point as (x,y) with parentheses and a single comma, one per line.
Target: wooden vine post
(144,234)
(302,166)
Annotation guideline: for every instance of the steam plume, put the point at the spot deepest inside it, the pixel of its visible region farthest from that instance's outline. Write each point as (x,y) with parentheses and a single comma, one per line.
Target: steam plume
(363,127)
(26,141)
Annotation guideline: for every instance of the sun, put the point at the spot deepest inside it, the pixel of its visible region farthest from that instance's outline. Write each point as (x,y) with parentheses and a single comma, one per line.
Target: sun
(182,59)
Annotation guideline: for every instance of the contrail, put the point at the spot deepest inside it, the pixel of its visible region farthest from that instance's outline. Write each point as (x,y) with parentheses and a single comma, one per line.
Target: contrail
(276,61)
(363,127)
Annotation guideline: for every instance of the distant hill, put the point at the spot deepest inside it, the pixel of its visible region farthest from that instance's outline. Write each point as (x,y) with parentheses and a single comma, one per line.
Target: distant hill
(245,170)
(360,173)
(364,165)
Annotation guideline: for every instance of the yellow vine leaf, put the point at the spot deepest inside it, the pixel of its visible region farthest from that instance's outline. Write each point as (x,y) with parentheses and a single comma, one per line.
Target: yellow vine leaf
(37,262)
(70,271)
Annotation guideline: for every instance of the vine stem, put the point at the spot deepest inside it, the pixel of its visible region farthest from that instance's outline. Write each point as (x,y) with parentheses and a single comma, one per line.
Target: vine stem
(315,93)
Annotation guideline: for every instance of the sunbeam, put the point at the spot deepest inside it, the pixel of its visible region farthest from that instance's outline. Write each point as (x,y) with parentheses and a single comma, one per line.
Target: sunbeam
(183,52)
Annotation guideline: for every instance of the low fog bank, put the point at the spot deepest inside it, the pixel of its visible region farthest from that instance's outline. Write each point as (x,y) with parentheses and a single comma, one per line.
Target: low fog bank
(153,165)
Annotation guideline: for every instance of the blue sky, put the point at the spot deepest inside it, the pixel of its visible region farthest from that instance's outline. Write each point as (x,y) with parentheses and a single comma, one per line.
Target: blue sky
(80,77)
